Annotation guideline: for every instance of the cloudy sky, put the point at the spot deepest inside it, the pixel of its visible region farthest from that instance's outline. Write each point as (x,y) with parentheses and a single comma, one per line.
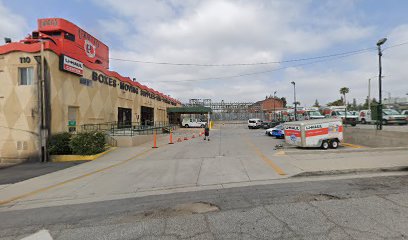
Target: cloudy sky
(227,32)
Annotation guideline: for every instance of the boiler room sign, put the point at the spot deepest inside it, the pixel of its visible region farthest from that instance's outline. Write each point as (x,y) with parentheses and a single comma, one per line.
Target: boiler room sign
(71,65)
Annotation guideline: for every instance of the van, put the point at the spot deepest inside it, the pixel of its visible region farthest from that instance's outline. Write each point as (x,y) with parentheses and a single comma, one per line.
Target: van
(254,123)
(389,116)
(190,122)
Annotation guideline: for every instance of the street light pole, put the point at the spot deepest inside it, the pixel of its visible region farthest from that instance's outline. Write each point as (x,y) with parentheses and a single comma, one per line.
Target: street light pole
(369,94)
(294,96)
(274,99)
(379,43)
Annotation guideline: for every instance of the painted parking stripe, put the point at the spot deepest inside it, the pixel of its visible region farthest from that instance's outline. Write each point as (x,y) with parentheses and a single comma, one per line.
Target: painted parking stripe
(40,235)
(268,161)
(352,145)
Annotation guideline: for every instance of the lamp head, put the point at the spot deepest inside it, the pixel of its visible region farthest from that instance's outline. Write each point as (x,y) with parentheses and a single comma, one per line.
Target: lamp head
(7,40)
(293,82)
(381,41)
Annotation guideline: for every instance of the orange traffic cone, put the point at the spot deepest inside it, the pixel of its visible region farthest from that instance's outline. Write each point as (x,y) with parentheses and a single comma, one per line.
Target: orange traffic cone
(154,140)
(171,138)
(179,140)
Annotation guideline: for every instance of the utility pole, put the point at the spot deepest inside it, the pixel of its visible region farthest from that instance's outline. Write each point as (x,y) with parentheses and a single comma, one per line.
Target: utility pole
(274,99)
(369,94)
(294,96)
(43,129)
(379,43)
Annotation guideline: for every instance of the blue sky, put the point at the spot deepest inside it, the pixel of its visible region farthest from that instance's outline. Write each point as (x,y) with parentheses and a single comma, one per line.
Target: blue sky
(219,32)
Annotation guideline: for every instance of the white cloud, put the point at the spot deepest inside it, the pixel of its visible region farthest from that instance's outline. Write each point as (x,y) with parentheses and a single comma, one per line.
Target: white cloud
(229,32)
(11,24)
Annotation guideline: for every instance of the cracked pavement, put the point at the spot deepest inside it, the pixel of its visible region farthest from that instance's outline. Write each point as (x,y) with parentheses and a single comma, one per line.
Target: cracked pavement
(359,208)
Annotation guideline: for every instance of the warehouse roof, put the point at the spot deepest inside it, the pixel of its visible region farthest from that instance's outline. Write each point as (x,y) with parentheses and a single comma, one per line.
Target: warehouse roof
(189,110)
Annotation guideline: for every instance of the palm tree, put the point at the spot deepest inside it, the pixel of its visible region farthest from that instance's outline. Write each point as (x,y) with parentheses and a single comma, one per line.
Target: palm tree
(343,92)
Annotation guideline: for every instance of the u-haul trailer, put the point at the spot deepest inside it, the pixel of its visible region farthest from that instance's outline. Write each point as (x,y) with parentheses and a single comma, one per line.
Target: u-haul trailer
(322,133)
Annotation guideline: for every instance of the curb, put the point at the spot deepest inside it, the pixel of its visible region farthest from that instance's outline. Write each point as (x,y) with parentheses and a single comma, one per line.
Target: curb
(351,171)
(338,151)
(73,158)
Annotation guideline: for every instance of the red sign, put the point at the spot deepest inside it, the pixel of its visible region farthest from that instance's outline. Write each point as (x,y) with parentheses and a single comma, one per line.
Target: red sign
(73,38)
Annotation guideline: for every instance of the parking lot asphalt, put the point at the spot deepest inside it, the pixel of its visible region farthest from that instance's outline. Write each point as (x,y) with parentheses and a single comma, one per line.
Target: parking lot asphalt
(234,156)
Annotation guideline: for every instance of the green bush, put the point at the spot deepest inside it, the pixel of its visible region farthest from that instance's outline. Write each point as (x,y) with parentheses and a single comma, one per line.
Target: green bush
(88,143)
(59,144)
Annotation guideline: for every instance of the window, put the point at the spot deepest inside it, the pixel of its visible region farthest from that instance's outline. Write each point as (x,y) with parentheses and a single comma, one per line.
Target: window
(85,81)
(26,75)
(69,36)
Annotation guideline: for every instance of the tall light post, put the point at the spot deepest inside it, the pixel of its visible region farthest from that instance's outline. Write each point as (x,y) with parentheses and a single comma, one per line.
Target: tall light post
(274,99)
(379,43)
(369,94)
(294,96)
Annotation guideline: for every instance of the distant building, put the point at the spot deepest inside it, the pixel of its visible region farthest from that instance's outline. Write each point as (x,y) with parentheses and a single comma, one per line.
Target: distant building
(267,107)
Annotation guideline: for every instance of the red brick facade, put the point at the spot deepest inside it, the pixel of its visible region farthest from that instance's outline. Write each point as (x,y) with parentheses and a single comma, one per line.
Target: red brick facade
(268,104)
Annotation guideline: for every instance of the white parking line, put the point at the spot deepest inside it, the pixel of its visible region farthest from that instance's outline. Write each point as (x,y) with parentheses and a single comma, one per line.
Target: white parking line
(40,235)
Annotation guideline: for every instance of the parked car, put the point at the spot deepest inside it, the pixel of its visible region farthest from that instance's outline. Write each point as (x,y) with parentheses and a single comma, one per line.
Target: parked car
(269,130)
(267,125)
(278,132)
(190,122)
(405,113)
(254,123)
(389,116)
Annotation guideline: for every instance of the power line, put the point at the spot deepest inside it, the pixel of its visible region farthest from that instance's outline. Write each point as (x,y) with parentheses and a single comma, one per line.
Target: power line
(267,71)
(338,56)
(243,64)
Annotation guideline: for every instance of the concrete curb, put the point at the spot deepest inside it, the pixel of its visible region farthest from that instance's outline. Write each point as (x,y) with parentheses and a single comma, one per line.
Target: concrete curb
(73,158)
(351,171)
(338,151)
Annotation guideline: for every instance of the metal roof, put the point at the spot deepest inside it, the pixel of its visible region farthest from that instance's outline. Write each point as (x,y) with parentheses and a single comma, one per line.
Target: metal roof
(189,110)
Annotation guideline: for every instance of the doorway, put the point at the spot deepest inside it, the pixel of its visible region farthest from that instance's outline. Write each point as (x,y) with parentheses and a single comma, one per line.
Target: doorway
(147,116)
(124,117)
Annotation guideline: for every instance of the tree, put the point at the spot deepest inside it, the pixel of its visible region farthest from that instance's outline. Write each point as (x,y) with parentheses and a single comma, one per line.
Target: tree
(343,91)
(284,102)
(316,104)
(338,102)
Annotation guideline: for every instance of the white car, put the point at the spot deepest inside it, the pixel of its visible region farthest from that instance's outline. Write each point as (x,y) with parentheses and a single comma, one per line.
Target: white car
(189,122)
(269,131)
(254,123)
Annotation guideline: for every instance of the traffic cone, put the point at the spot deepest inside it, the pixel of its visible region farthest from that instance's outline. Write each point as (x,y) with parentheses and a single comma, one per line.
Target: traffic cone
(171,137)
(179,140)
(193,136)
(185,138)
(155,140)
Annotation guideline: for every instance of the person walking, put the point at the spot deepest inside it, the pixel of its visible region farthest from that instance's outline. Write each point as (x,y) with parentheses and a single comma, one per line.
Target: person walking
(206,132)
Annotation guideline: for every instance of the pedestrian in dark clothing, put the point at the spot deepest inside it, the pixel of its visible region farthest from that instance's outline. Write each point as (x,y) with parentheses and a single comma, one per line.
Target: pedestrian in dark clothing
(206,133)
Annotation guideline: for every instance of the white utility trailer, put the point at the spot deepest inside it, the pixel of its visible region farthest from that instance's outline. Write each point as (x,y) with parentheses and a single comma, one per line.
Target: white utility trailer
(322,133)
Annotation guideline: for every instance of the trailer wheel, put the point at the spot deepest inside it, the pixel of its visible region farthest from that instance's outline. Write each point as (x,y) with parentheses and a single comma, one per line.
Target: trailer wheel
(325,145)
(363,121)
(186,126)
(334,144)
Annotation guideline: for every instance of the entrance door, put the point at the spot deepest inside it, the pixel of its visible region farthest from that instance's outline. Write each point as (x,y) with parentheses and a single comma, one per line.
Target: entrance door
(147,116)
(124,117)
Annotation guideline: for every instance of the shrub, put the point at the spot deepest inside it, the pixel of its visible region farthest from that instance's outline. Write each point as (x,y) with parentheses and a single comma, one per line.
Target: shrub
(59,144)
(88,143)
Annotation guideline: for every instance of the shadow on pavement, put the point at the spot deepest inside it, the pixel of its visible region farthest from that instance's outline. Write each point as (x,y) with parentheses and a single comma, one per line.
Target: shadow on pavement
(29,170)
